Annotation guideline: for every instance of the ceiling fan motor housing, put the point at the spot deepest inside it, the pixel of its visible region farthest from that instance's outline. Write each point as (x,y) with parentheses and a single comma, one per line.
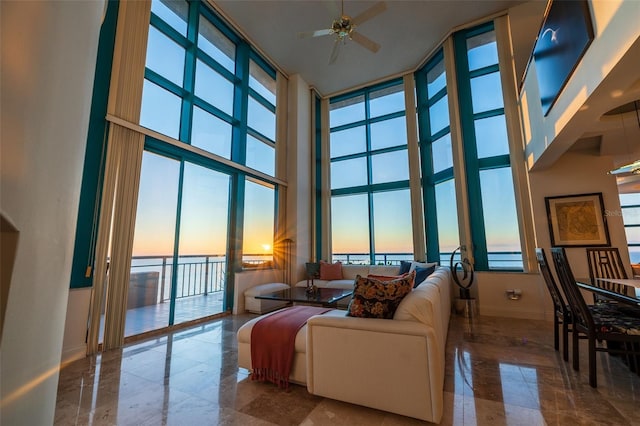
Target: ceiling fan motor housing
(343,26)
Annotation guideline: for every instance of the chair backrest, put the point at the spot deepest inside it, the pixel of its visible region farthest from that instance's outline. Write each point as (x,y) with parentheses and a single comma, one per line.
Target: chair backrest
(556,296)
(605,262)
(581,315)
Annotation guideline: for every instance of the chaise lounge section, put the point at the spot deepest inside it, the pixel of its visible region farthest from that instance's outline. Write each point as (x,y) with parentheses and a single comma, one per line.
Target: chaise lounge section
(393,365)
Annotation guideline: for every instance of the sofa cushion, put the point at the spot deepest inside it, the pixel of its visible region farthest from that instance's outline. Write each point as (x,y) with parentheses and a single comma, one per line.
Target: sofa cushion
(405,265)
(388,270)
(330,271)
(422,274)
(352,271)
(378,299)
(244,334)
(418,305)
(415,265)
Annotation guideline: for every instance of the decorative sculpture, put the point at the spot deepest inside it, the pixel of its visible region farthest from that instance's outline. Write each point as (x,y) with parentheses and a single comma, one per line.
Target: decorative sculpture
(466,268)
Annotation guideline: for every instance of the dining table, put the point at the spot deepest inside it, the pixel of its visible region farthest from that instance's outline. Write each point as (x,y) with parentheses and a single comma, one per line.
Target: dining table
(626,290)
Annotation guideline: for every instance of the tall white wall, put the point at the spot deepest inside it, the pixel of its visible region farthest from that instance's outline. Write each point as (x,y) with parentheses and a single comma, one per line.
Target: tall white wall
(578,173)
(299,158)
(48,58)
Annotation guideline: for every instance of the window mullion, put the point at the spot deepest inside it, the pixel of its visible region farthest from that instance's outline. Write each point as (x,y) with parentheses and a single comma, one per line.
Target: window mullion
(367,115)
(189,74)
(470,153)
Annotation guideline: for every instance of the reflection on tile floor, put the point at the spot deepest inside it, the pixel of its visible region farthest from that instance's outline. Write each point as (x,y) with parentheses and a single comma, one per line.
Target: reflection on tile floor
(498,372)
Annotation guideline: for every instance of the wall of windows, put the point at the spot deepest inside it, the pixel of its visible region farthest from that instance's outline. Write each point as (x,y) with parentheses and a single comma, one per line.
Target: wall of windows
(370,204)
(494,220)
(205,87)
(438,184)
(206,205)
(466,175)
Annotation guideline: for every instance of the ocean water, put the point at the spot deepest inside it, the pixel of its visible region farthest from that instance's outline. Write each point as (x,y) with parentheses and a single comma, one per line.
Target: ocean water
(510,261)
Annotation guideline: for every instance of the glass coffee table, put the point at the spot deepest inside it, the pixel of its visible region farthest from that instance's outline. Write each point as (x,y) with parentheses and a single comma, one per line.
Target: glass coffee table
(327,297)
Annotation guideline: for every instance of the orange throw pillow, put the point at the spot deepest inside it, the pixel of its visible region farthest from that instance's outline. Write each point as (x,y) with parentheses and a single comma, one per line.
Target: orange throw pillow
(330,271)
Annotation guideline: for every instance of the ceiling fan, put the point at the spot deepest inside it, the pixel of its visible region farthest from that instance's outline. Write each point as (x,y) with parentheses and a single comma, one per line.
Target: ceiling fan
(345,26)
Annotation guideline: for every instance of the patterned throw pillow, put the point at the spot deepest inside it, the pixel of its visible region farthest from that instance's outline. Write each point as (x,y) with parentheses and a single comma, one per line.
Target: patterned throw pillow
(330,271)
(379,299)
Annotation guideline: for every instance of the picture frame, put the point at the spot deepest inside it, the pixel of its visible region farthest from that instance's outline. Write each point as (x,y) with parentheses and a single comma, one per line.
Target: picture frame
(577,220)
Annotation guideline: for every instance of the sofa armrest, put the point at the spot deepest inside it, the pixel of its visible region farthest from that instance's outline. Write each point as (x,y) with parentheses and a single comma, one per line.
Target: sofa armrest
(390,365)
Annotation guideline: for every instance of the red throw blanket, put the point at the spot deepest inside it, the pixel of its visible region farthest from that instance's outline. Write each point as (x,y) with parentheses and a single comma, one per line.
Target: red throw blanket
(273,343)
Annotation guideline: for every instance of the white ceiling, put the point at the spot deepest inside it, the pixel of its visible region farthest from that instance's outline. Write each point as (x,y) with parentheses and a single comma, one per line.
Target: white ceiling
(407,31)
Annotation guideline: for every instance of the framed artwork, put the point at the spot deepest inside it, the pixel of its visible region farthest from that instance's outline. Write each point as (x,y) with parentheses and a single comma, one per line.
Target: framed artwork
(577,220)
(565,35)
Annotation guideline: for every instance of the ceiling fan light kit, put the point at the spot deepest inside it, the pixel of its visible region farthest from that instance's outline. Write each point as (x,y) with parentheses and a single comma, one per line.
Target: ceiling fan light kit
(345,26)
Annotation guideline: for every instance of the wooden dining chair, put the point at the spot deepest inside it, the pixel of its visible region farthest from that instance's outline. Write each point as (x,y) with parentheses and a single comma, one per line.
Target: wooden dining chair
(562,314)
(605,262)
(603,322)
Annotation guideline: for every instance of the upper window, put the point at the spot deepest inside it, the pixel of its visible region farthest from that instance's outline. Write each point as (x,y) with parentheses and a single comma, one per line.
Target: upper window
(194,92)
(494,218)
(205,87)
(370,203)
(438,189)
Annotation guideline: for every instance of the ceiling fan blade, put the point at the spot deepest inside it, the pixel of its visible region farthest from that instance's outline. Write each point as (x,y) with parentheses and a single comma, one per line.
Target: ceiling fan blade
(316,33)
(374,10)
(335,51)
(365,41)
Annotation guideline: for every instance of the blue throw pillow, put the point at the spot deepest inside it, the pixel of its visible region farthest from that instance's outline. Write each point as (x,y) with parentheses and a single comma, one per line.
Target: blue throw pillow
(422,274)
(404,267)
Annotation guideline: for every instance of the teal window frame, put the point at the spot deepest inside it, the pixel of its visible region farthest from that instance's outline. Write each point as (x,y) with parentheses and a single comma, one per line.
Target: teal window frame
(473,165)
(429,179)
(319,219)
(92,176)
(238,120)
(82,269)
(370,188)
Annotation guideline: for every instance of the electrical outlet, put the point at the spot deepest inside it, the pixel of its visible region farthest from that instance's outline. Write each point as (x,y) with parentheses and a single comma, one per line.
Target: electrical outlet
(513,294)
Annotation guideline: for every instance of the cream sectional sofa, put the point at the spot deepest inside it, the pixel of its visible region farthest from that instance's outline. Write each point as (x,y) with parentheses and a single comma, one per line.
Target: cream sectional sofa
(393,365)
(349,273)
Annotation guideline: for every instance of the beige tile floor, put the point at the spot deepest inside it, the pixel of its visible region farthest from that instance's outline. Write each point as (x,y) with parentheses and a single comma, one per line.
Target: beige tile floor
(498,372)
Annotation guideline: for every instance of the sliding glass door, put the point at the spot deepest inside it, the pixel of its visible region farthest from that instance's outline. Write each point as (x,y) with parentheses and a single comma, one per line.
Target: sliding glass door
(179,252)
(204,212)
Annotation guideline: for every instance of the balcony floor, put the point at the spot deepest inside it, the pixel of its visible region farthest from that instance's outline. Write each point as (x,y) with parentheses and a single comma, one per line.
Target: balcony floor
(153,317)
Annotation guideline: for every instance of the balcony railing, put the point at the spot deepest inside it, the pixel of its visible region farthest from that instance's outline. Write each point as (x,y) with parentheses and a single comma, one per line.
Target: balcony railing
(498,260)
(196,275)
(203,274)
